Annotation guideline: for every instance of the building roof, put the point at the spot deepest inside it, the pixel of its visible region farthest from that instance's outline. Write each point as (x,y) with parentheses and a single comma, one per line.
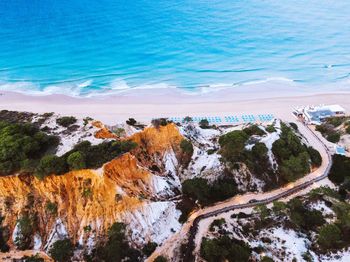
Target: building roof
(334,108)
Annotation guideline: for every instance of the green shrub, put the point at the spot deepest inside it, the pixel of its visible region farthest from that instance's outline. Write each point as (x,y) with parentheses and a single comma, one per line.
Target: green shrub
(49,165)
(86,120)
(160,259)
(335,121)
(303,217)
(117,248)
(315,156)
(224,249)
(26,228)
(266,259)
(200,189)
(186,146)
(232,145)
(66,121)
(21,147)
(333,137)
(76,161)
(254,130)
(329,236)
(149,248)
(51,208)
(279,207)
(292,156)
(131,122)
(119,132)
(159,122)
(62,250)
(204,124)
(34,258)
(87,228)
(270,129)
(294,126)
(188,119)
(217,223)
(340,169)
(96,155)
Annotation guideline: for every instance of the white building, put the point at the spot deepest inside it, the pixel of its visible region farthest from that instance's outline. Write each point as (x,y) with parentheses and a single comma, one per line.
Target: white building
(316,114)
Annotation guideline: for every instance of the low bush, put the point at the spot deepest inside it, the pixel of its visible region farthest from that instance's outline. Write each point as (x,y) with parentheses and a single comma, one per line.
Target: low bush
(159,122)
(66,121)
(303,217)
(21,147)
(131,122)
(329,236)
(224,248)
(204,124)
(254,130)
(340,169)
(292,156)
(217,223)
(51,208)
(270,129)
(26,227)
(33,258)
(83,155)
(149,248)
(62,250)
(206,193)
(116,248)
(160,259)
(76,161)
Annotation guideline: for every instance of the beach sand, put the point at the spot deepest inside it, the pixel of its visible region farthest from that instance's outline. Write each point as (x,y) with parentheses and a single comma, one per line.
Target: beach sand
(144,105)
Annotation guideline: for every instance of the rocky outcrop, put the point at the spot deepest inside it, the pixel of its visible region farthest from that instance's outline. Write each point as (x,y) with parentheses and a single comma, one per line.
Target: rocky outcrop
(103,132)
(85,203)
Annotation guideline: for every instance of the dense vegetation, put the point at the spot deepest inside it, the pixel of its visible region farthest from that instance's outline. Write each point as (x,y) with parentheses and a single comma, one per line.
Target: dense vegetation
(206,193)
(329,132)
(340,170)
(233,143)
(331,128)
(62,250)
(201,191)
(22,146)
(159,122)
(66,121)
(26,149)
(292,156)
(83,155)
(116,248)
(33,258)
(224,248)
(233,150)
(186,152)
(299,215)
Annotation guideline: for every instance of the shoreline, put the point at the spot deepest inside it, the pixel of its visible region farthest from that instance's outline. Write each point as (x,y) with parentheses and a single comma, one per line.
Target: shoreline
(147,104)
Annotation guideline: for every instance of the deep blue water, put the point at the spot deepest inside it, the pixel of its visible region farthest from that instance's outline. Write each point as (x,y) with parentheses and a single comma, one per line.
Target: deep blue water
(82,46)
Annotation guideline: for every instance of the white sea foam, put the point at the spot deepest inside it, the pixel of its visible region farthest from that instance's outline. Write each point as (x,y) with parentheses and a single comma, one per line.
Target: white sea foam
(121,87)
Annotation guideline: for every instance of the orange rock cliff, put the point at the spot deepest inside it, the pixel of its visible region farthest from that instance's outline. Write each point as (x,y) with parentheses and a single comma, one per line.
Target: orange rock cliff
(89,198)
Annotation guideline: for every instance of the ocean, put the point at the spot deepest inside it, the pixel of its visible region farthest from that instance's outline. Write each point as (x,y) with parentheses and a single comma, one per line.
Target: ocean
(89,47)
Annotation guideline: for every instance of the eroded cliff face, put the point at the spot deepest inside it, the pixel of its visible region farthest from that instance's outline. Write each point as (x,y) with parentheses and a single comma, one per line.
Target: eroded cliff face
(159,148)
(103,132)
(87,201)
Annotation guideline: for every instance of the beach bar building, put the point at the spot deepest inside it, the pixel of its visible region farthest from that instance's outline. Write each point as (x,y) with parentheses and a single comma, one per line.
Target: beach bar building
(316,114)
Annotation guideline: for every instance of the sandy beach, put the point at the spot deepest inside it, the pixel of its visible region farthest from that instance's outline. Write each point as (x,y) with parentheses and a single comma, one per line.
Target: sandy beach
(145,105)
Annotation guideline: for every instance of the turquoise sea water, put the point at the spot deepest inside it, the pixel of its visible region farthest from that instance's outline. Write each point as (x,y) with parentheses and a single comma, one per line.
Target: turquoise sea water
(81,47)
